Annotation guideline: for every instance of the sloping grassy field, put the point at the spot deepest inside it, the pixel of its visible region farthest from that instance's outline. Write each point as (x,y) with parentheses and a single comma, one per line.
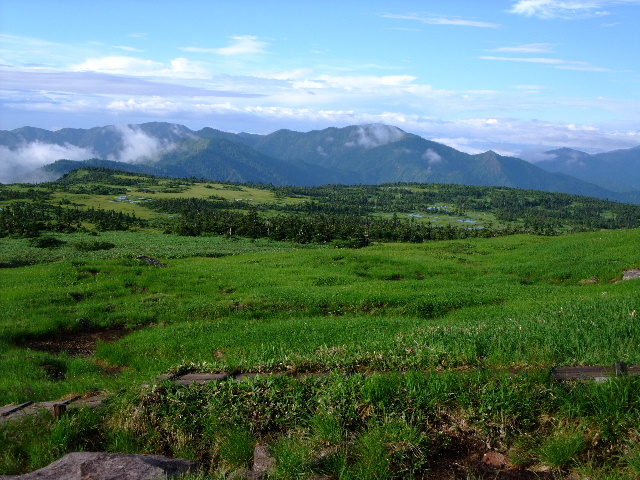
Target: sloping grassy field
(256,305)
(512,301)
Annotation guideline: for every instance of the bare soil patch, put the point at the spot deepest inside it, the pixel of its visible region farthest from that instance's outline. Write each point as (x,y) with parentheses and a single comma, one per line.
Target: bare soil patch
(467,456)
(77,343)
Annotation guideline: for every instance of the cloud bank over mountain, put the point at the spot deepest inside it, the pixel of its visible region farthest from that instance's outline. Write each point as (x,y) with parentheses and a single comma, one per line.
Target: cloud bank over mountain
(134,145)
(138,146)
(16,163)
(375,135)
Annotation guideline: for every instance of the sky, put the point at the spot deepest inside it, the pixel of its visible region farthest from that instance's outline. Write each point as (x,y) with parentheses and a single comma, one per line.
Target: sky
(515,76)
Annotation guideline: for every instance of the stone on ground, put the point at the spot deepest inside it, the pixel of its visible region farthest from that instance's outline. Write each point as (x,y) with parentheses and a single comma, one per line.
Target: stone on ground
(109,466)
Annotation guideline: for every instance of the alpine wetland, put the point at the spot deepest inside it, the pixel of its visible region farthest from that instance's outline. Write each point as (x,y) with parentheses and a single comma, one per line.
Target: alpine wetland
(262,247)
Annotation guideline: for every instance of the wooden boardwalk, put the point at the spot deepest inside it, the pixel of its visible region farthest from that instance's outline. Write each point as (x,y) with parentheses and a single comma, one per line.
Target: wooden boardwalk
(58,407)
(55,407)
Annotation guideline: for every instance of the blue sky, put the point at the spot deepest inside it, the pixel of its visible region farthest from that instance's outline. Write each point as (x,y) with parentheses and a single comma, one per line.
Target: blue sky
(515,76)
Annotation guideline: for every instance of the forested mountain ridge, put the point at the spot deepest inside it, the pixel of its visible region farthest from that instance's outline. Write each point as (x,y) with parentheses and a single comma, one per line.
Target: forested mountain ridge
(365,154)
(618,170)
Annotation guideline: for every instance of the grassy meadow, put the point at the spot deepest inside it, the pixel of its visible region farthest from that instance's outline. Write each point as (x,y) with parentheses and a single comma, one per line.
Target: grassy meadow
(266,306)
(441,323)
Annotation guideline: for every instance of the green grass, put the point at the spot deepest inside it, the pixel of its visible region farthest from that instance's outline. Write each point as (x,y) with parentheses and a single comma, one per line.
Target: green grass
(259,305)
(21,252)
(222,304)
(133,203)
(354,426)
(562,448)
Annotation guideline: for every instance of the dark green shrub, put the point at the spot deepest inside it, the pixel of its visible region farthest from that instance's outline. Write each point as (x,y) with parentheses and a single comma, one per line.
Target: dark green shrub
(86,246)
(46,241)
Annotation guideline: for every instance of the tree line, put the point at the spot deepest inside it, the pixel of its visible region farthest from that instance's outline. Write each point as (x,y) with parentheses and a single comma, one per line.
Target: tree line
(533,208)
(30,219)
(351,230)
(355,214)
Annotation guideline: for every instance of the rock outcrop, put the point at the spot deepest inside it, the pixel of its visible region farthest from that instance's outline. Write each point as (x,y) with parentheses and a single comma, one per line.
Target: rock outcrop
(109,466)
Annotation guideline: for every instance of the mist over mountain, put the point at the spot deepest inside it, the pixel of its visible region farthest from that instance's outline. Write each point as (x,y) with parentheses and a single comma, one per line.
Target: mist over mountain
(363,154)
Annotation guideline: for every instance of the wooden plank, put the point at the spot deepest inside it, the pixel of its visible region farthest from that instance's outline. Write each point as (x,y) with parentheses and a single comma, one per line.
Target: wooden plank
(91,402)
(69,400)
(6,411)
(579,373)
(596,372)
(633,370)
(201,378)
(304,376)
(252,376)
(51,404)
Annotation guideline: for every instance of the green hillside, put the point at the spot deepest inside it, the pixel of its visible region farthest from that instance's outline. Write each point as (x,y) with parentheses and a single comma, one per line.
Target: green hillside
(461,327)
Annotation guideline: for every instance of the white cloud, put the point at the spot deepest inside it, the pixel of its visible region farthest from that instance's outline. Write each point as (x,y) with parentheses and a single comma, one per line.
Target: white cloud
(138,146)
(555,62)
(21,82)
(376,135)
(296,74)
(359,82)
(307,79)
(127,49)
(575,158)
(241,45)
(120,65)
(132,66)
(431,156)
(14,164)
(550,61)
(442,20)
(535,153)
(527,48)
(19,50)
(18,164)
(582,68)
(565,8)
(152,107)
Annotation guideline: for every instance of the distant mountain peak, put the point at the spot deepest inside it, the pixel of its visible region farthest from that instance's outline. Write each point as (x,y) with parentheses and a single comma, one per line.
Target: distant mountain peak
(568,157)
(566,151)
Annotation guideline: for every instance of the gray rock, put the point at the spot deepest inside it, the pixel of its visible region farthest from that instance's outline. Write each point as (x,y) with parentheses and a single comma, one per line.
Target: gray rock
(151,261)
(263,459)
(246,475)
(109,466)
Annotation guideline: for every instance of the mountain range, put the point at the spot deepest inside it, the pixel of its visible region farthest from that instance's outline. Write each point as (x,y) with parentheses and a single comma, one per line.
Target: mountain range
(363,154)
(618,170)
